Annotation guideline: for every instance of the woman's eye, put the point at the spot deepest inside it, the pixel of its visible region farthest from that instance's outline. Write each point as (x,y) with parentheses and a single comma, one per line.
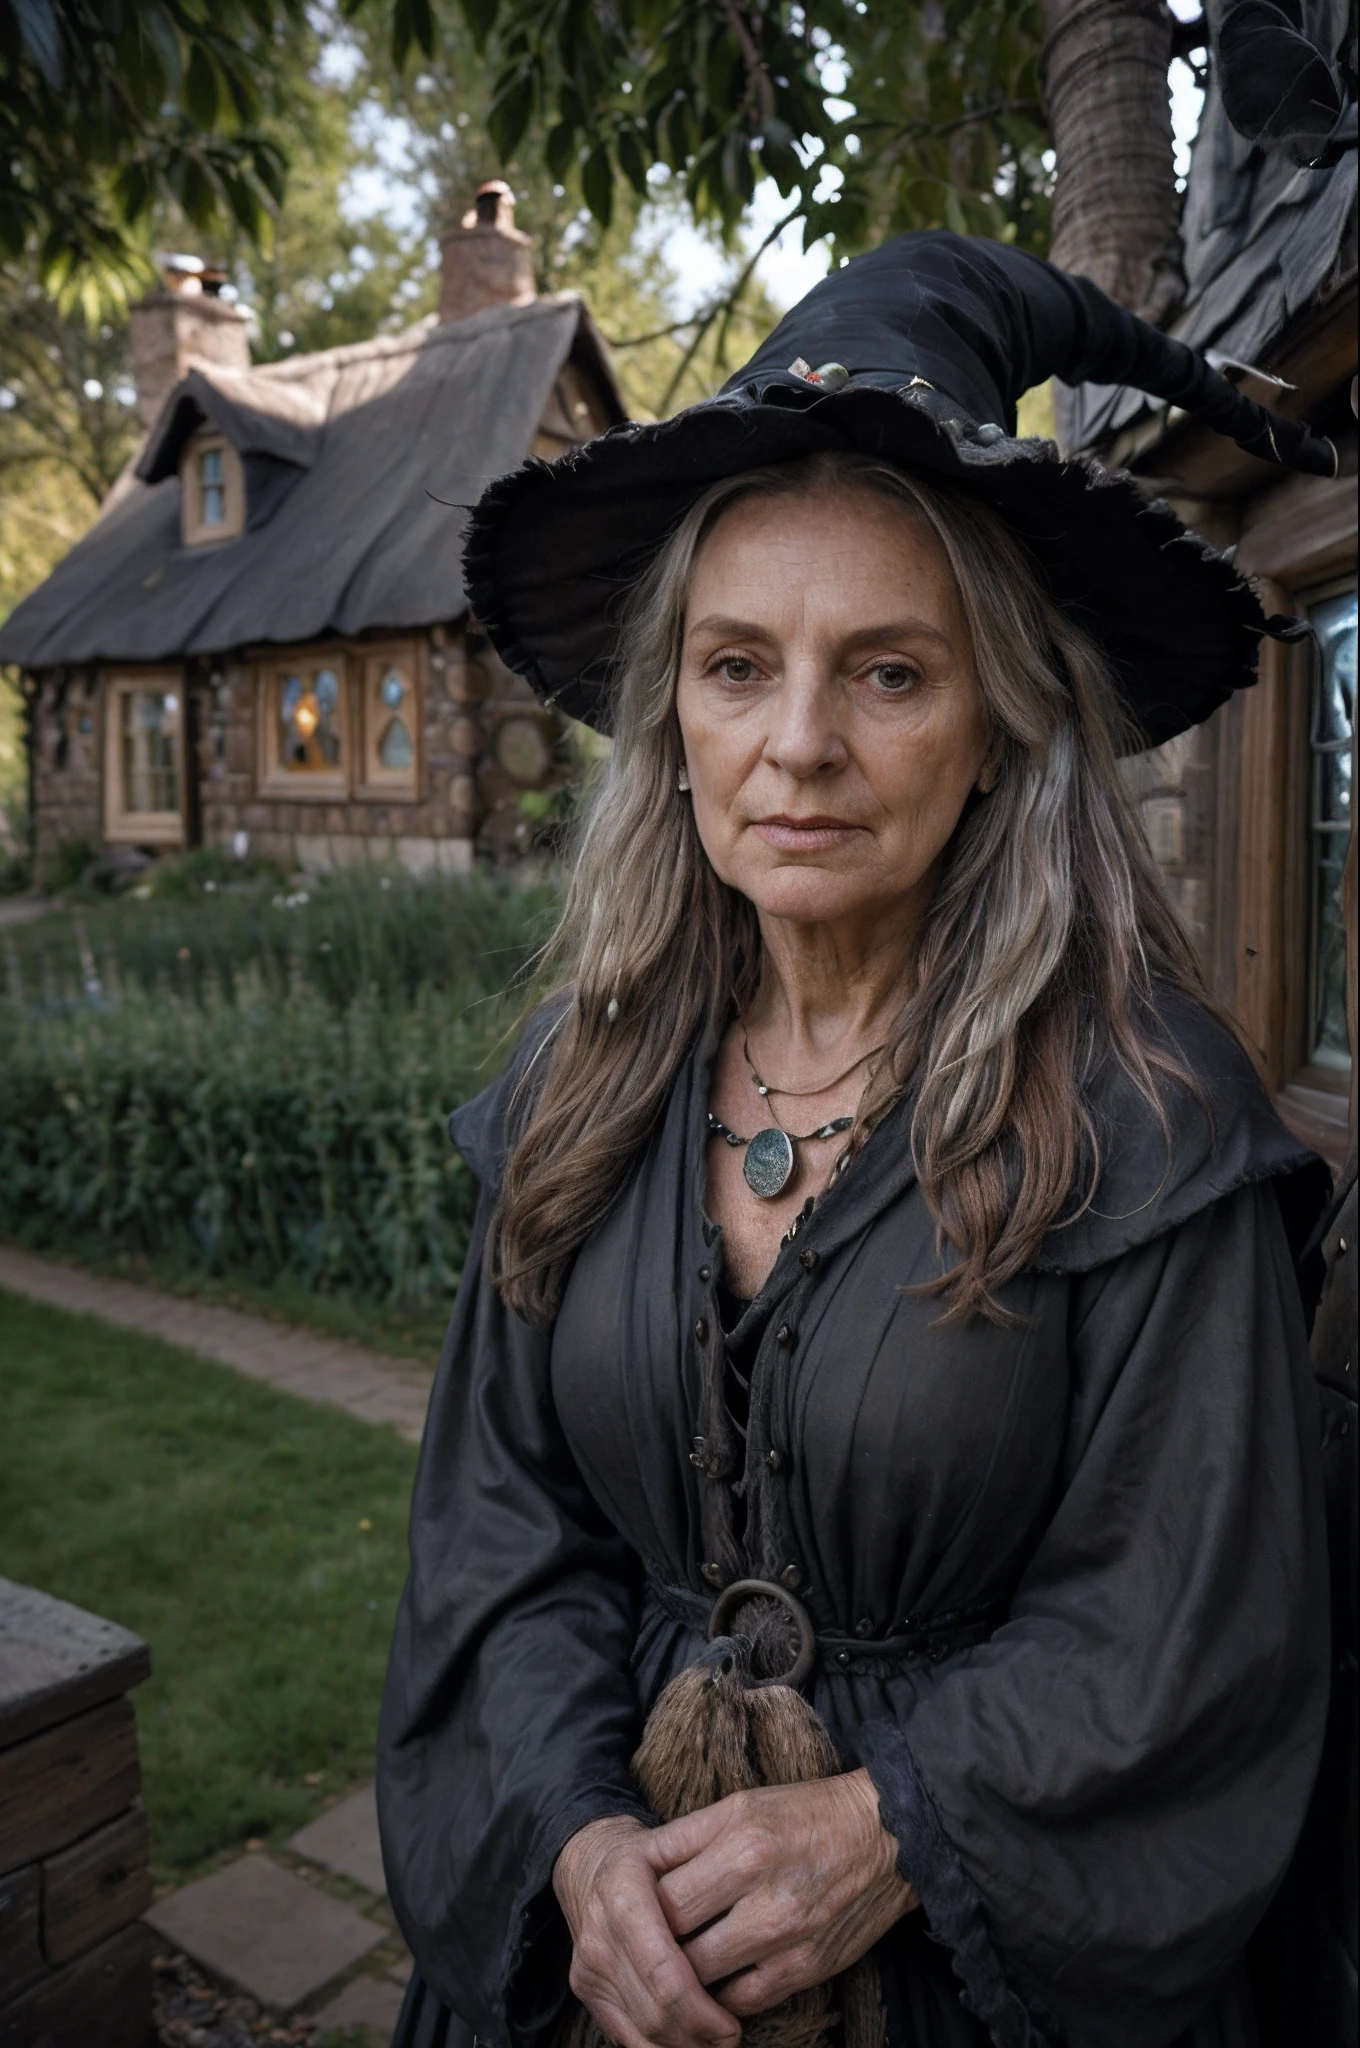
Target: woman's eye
(736,668)
(895,676)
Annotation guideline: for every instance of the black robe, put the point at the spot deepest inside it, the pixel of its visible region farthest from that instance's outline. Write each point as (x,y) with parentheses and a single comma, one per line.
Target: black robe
(1067,1574)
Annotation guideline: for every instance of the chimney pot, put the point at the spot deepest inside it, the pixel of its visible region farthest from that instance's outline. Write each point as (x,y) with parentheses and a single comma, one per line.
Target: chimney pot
(486,260)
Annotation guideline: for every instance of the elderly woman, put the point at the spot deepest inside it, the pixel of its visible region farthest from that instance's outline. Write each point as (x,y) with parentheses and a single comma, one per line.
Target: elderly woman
(880,1327)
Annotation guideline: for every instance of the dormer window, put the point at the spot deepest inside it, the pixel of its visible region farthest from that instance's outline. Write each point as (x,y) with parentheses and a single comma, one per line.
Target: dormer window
(213,486)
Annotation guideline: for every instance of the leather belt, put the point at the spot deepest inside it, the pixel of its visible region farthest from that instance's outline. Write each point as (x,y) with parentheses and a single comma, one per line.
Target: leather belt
(930,1640)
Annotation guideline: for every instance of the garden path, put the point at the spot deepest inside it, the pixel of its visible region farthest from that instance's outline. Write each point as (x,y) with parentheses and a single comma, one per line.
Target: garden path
(22,909)
(326,1370)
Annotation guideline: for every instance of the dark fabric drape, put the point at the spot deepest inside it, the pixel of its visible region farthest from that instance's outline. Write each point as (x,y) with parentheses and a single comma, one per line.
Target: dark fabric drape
(1067,1574)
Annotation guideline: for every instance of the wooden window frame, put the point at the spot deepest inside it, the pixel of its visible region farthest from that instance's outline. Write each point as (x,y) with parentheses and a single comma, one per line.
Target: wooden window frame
(273,780)
(195,532)
(124,827)
(373,783)
(1301,545)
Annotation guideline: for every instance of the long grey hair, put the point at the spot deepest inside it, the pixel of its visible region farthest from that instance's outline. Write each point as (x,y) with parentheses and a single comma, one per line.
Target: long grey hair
(1038,955)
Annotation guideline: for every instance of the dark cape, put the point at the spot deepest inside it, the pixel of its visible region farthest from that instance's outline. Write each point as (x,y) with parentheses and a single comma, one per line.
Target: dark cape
(1067,1575)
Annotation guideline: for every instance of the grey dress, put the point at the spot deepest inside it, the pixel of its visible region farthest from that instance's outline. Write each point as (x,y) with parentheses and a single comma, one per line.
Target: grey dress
(1067,1574)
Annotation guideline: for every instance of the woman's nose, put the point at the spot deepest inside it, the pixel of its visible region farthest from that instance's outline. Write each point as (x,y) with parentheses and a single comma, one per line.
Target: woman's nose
(804,737)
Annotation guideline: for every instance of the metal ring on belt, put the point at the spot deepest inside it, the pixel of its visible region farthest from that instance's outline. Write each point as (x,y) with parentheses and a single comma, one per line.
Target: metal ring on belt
(731,1598)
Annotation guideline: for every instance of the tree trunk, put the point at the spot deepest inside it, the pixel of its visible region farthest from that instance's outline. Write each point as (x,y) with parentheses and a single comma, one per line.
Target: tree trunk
(1115,221)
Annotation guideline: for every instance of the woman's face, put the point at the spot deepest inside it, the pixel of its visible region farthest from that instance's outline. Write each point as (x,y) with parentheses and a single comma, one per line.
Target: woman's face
(829,710)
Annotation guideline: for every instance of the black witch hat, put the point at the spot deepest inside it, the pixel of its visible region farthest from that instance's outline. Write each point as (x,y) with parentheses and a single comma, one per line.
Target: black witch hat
(914,354)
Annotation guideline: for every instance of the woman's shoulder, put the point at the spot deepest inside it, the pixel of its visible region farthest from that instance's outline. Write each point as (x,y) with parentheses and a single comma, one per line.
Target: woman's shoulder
(1221,1132)
(479,1127)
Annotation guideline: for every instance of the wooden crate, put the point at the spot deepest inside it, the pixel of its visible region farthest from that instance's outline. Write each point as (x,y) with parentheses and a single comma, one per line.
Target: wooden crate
(75,1958)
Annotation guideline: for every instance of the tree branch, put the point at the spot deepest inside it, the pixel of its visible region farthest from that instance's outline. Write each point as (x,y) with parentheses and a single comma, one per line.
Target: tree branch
(727,304)
(760,87)
(918,129)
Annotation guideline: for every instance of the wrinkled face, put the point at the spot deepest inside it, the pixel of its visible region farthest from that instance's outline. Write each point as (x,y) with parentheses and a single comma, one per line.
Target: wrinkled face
(831,718)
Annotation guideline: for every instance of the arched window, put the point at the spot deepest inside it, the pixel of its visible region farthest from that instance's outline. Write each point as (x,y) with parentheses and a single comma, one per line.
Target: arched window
(391,723)
(304,724)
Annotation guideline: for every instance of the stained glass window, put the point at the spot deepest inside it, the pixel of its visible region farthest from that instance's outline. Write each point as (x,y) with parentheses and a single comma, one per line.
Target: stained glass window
(212,488)
(150,742)
(395,751)
(1333,724)
(309,721)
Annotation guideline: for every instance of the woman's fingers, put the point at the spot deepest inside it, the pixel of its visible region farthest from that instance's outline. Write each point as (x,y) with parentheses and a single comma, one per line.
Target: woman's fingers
(627,1968)
(732,1858)
(641,1989)
(679,1840)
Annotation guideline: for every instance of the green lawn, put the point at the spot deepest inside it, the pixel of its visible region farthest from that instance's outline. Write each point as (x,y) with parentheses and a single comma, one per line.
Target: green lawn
(222,1522)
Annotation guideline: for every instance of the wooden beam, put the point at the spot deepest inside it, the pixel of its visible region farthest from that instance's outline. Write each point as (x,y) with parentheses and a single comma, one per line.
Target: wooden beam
(96,1886)
(59,1785)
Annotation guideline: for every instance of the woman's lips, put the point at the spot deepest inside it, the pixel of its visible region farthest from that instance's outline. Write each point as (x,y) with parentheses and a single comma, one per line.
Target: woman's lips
(805,835)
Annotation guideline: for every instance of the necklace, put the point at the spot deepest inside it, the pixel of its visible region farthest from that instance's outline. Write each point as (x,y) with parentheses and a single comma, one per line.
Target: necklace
(769,1160)
(769,1088)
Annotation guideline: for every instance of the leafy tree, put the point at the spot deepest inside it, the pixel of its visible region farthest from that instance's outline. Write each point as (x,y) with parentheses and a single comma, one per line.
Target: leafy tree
(668,355)
(924,114)
(108,110)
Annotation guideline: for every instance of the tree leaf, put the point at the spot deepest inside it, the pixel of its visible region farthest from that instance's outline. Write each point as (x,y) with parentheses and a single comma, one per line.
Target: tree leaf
(201,89)
(597,184)
(510,113)
(631,161)
(557,149)
(480,15)
(40,34)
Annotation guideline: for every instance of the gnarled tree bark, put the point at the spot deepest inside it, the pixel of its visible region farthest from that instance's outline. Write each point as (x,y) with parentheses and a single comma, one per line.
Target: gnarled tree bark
(1115,220)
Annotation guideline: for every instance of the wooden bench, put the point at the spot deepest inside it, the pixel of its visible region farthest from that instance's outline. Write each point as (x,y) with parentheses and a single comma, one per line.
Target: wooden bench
(75,1958)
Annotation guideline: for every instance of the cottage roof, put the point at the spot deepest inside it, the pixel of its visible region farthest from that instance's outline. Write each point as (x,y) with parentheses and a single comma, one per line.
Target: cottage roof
(357,460)
(1260,240)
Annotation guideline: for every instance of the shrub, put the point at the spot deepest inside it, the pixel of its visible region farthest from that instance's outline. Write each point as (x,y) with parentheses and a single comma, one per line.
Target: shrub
(257,1131)
(255,1077)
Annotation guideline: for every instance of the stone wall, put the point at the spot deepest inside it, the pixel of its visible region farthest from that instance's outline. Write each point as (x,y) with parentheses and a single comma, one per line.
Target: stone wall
(485,741)
(67,782)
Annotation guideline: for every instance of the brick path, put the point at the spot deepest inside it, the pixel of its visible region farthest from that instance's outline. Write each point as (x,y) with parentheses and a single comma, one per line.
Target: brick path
(326,1370)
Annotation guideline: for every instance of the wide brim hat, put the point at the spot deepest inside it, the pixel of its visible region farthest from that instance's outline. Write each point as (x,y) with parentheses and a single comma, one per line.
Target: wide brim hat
(914,355)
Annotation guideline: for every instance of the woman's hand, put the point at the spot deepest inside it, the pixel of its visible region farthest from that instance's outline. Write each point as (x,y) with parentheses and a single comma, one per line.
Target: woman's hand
(789,1884)
(626,1966)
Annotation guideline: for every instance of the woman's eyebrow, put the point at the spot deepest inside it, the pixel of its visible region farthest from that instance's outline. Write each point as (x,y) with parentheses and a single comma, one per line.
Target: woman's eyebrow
(719,626)
(895,629)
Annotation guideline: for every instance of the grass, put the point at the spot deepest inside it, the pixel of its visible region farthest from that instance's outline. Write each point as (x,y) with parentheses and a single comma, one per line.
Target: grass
(221,1521)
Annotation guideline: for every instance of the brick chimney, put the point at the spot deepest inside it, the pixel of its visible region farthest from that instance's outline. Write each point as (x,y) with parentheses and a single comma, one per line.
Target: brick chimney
(486,260)
(182,323)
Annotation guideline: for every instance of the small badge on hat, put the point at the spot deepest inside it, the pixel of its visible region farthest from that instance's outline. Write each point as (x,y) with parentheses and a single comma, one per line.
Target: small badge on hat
(831,376)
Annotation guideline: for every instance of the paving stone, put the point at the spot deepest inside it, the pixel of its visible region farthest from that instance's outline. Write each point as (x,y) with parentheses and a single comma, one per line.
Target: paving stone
(345,1838)
(377,1389)
(367,2002)
(266,1932)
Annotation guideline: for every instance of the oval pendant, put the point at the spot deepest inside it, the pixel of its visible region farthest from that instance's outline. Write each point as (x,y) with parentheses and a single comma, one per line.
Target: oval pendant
(768,1163)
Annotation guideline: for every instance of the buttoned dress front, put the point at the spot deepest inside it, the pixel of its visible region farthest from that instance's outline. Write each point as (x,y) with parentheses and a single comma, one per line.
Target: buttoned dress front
(1066,1571)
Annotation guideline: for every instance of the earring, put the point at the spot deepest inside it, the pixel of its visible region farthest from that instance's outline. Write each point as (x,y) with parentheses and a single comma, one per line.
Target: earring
(682,778)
